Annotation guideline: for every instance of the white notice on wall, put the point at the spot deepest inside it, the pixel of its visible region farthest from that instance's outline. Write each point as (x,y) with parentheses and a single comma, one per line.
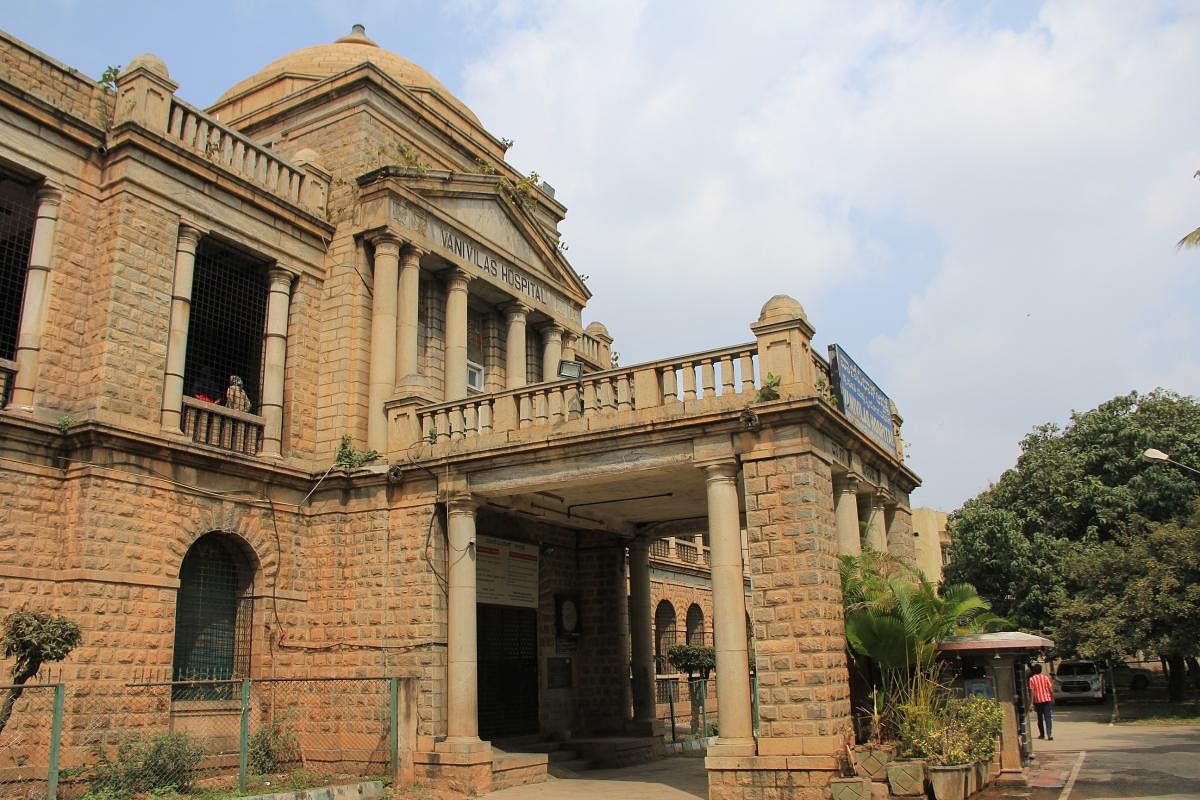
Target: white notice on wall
(506,573)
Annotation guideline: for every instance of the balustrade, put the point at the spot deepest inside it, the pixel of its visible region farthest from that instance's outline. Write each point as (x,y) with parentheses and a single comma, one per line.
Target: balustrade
(211,424)
(720,378)
(227,148)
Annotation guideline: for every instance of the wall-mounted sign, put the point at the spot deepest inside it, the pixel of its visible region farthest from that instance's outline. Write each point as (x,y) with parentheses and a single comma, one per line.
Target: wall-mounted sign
(861,399)
(506,573)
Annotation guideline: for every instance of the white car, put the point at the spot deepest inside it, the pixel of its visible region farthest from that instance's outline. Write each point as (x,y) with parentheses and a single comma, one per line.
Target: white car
(1079,680)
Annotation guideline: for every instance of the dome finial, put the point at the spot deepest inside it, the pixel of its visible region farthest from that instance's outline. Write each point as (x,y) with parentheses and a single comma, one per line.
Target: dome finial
(357,35)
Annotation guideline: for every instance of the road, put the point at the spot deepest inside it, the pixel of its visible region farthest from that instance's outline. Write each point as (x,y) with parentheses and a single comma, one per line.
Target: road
(1092,760)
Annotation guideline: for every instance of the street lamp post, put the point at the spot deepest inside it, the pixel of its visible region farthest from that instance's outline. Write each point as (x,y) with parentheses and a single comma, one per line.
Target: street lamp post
(1158,456)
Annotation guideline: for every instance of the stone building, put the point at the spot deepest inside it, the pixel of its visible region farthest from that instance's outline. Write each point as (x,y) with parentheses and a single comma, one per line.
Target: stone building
(932,532)
(200,305)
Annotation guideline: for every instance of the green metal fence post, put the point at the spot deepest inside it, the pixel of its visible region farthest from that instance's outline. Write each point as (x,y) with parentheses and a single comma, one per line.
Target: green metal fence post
(244,737)
(55,743)
(394,716)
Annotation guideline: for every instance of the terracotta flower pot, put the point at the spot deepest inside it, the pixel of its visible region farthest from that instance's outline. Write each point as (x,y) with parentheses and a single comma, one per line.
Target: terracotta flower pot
(949,783)
(871,760)
(906,777)
(850,788)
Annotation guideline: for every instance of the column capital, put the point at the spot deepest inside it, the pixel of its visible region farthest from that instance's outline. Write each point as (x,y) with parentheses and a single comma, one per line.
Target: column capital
(189,237)
(281,276)
(515,309)
(412,252)
(386,241)
(720,472)
(552,329)
(882,497)
(50,195)
(461,504)
(458,279)
(848,484)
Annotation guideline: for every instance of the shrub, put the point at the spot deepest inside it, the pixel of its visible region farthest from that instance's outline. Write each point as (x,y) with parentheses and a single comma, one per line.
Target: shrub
(983,720)
(168,761)
(270,747)
(958,731)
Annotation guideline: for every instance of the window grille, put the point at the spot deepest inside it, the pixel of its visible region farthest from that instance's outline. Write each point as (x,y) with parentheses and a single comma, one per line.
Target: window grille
(695,625)
(213,619)
(226,327)
(664,634)
(18,206)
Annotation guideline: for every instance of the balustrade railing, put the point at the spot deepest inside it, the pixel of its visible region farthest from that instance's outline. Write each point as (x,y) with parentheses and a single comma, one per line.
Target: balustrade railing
(686,552)
(200,133)
(718,378)
(211,424)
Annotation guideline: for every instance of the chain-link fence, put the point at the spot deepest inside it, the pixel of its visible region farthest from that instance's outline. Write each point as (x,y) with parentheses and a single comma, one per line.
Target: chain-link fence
(121,739)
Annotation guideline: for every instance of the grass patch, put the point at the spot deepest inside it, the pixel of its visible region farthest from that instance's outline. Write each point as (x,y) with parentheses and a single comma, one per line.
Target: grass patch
(1161,712)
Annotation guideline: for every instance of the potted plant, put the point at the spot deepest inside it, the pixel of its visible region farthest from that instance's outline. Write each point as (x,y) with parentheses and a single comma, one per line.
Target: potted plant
(983,720)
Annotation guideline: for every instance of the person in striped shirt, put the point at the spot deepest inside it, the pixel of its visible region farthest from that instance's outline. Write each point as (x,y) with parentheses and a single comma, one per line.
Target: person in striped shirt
(1042,694)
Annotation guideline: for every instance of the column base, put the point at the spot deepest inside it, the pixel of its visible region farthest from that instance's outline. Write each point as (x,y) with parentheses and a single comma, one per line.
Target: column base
(464,745)
(732,748)
(645,727)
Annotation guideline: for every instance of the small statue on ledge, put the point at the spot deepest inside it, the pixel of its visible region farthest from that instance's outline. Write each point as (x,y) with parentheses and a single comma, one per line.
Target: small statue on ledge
(235,396)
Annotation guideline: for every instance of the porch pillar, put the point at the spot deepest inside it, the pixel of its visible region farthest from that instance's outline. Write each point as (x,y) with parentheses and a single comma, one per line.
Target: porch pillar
(877,528)
(456,334)
(408,311)
(569,341)
(1003,668)
(462,667)
(641,651)
(846,511)
(274,358)
(33,306)
(514,346)
(551,351)
(381,382)
(729,610)
(177,332)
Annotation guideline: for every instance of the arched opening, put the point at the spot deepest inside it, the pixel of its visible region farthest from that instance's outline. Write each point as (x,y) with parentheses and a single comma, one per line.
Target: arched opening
(664,634)
(213,617)
(695,625)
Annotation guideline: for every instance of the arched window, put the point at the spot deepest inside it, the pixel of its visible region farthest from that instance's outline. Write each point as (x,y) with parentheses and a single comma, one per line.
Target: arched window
(664,633)
(695,625)
(213,616)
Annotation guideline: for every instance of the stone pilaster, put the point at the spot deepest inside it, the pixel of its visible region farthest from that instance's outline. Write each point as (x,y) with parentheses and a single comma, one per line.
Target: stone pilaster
(177,334)
(381,381)
(33,305)
(274,359)
(846,511)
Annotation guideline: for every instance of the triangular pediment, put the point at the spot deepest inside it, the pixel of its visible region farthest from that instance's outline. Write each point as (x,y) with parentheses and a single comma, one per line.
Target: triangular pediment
(493,220)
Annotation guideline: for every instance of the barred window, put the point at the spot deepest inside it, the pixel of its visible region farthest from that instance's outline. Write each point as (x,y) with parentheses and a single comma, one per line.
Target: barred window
(664,634)
(226,327)
(213,617)
(18,205)
(695,625)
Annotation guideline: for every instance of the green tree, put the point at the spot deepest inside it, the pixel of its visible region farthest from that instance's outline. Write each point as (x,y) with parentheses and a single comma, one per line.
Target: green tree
(32,638)
(1139,592)
(1074,492)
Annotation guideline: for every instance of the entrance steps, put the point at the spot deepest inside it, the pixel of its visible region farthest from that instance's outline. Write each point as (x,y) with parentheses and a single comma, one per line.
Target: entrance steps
(521,761)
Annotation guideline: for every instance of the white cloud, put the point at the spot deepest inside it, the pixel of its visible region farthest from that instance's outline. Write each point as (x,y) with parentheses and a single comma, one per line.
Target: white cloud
(713,157)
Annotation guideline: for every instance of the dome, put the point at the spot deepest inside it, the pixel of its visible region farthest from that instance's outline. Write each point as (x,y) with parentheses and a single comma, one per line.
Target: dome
(781,308)
(312,64)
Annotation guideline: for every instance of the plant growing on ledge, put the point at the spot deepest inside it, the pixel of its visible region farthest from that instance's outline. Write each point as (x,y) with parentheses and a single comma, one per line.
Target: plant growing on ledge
(33,638)
(769,389)
(350,459)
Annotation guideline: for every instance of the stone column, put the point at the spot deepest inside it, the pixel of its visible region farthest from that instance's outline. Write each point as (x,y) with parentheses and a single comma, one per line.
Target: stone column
(456,334)
(462,687)
(640,637)
(729,609)
(568,346)
(846,511)
(1003,668)
(177,334)
(33,306)
(877,530)
(381,381)
(274,357)
(408,311)
(514,346)
(551,351)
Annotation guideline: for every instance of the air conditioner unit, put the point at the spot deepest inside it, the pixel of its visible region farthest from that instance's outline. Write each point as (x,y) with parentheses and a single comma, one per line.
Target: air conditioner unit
(474,376)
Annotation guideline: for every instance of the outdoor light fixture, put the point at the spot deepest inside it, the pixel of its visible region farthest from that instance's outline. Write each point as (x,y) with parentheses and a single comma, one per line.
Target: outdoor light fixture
(1158,456)
(572,370)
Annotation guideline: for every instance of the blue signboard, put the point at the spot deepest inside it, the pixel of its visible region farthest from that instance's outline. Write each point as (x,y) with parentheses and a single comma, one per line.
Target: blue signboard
(862,401)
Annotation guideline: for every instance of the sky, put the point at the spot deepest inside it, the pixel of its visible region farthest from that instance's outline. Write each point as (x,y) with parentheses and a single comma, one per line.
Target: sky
(978,201)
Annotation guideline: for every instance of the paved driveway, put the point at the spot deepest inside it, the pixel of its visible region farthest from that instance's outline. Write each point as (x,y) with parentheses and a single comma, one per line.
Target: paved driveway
(1092,760)
(675,778)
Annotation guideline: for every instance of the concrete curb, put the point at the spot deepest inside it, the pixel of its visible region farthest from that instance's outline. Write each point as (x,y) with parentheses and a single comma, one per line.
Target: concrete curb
(365,790)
